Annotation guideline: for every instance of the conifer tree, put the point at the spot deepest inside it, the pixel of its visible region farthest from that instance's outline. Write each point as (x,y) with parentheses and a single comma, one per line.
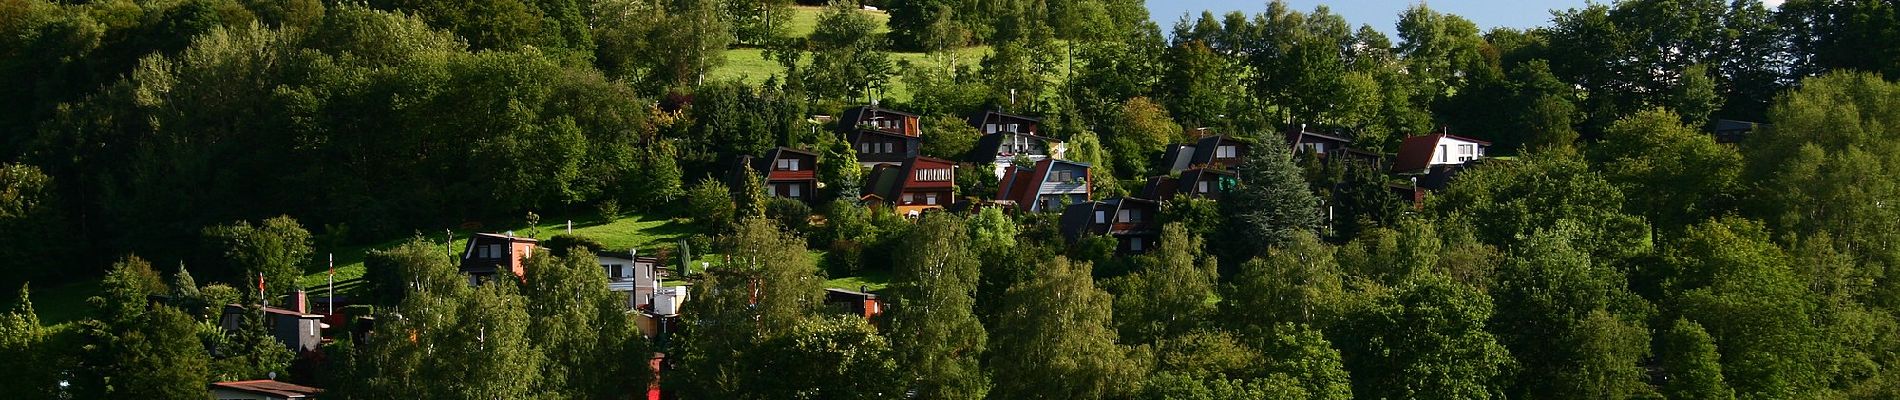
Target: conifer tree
(1272,204)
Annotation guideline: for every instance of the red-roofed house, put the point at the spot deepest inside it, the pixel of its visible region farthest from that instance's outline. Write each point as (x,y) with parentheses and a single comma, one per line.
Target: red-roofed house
(1419,154)
(263,389)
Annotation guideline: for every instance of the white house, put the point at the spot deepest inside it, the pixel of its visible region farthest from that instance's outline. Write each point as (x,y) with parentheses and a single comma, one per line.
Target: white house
(638,278)
(1419,154)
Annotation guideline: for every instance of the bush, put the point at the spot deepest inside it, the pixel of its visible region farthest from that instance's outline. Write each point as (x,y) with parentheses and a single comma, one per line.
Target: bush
(710,203)
(609,209)
(790,214)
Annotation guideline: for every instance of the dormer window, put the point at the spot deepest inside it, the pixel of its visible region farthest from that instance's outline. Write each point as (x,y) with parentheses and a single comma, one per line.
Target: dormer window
(788,164)
(1226,151)
(1101,217)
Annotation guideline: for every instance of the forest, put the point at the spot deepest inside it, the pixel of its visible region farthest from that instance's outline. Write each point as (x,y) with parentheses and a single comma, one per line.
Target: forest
(168,167)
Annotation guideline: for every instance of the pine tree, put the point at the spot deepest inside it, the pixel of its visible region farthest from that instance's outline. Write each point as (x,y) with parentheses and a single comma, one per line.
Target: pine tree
(1271,205)
(26,354)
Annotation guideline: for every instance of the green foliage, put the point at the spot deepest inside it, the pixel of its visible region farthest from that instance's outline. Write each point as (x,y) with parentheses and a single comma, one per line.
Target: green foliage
(1693,367)
(1672,174)
(1512,199)
(1299,282)
(391,273)
(250,352)
(659,44)
(1424,339)
(948,137)
(838,169)
(276,248)
(1169,291)
(1771,343)
(33,231)
(1142,131)
(710,203)
(839,357)
(848,57)
(25,350)
(1272,205)
(590,343)
(932,322)
(448,339)
(1576,331)
(764,291)
(1054,339)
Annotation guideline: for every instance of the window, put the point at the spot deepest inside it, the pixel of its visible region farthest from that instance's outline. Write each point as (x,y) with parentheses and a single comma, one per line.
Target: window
(1226,151)
(991,128)
(930,198)
(1101,217)
(1465,149)
(1126,216)
(887,148)
(788,164)
(933,175)
(1134,244)
(1200,187)
(792,189)
(907,199)
(614,271)
(1444,153)
(1013,128)
(1062,176)
(491,251)
(1310,148)
(864,148)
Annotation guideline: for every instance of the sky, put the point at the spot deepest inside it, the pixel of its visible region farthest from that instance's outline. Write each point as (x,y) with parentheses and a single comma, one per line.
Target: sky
(1384,14)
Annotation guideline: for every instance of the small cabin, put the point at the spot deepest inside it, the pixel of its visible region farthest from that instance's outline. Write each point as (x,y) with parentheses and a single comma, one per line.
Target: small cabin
(788,172)
(858,303)
(1133,222)
(881,136)
(1219,151)
(487,254)
(920,183)
(1420,154)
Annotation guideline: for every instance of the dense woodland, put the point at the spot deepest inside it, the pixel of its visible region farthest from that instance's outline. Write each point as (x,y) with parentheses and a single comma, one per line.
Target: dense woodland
(181,149)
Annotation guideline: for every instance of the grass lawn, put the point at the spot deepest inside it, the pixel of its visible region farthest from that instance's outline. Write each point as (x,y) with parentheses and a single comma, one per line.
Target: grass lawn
(750,66)
(805,20)
(62,304)
(647,233)
(873,280)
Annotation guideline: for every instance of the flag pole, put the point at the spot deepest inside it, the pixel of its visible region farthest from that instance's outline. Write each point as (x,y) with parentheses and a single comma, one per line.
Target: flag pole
(332,290)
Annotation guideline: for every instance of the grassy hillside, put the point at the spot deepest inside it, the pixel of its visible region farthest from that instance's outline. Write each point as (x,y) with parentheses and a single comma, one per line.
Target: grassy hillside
(750,65)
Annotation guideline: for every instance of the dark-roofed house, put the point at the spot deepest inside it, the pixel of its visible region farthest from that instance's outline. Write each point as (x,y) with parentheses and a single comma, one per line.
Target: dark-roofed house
(859,303)
(1212,150)
(262,389)
(1131,221)
(920,183)
(294,327)
(1328,146)
(1202,183)
(1732,131)
(881,136)
(1045,185)
(993,122)
(788,172)
(1419,154)
(488,253)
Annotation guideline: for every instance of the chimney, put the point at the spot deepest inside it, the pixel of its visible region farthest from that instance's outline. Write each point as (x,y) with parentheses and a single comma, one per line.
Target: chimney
(297,301)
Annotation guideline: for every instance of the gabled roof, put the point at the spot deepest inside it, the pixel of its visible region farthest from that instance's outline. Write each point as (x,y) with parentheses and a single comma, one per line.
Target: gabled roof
(1293,137)
(855,115)
(978,118)
(1415,153)
(270,388)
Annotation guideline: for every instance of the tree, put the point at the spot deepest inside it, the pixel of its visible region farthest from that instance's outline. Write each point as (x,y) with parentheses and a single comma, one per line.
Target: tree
(1768,334)
(1673,174)
(711,203)
(765,289)
(950,138)
(848,57)
(1693,367)
(1507,200)
(159,358)
(1299,282)
(277,248)
(838,169)
(1054,338)
(1575,328)
(34,234)
(1271,206)
(589,341)
(1827,166)
(461,342)
(1141,132)
(1169,291)
(25,349)
(932,322)
(748,192)
(1424,339)
(837,357)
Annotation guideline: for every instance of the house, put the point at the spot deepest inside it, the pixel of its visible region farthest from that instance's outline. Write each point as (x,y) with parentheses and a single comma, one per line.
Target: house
(789,173)
(1732,131)
(1420,154)
(920,183)
(1210,151)
(1001,149)
(881,136)
(1046,185)
(1201,183)
(1131,221)
(488,253)
(1328,146)
(994,122)
(634,277)
(295,327)
(859,303)
(263,389)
